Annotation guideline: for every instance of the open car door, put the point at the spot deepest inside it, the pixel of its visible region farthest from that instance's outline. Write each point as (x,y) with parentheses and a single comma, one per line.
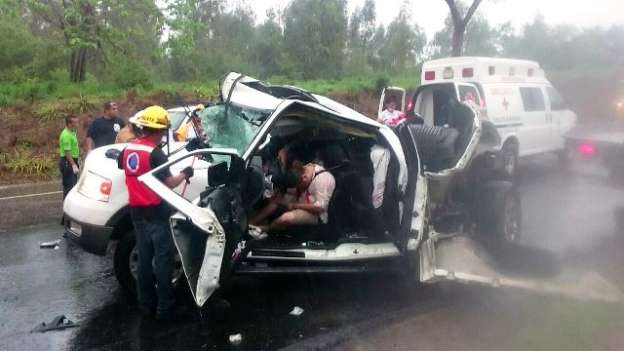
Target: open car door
(205,231)
(388,94)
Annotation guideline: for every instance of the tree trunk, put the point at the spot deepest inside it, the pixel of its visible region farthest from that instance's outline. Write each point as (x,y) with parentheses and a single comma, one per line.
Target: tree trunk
(78,65)
(459,31)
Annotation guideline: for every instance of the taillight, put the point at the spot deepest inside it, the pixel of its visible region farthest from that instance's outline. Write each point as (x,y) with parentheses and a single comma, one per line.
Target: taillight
(467,73)
(586,149)
(105,187)
(430,75)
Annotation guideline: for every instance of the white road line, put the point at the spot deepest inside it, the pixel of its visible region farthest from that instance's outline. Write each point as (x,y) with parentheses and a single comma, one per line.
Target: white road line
(29,195)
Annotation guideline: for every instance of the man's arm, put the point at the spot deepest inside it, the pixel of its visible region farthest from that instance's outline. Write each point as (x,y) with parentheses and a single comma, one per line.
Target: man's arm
(70,159)
(175,180)
(90,144)
(306,207)
(90,134)
(158,158)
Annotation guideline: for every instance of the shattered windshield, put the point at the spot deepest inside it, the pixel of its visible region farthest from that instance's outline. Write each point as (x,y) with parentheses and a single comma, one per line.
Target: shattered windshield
(234,128)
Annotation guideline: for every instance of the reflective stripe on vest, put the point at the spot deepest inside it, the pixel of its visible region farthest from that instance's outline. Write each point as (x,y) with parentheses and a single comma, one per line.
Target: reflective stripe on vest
(136,162)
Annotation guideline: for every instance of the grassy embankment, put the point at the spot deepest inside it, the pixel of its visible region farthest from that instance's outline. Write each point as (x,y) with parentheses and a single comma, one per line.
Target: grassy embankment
(32,113)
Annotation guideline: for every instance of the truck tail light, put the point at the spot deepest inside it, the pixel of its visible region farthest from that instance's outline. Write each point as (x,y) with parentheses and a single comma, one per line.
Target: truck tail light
(586,149)
(467,72)
(95,186)
(430,75)
(105,187)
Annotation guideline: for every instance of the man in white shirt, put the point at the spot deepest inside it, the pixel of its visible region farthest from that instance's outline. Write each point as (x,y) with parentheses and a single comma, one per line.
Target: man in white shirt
(315,189)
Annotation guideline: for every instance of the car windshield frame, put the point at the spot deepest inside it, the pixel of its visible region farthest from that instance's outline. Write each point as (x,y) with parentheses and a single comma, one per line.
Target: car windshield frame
(180,116)
(232,126)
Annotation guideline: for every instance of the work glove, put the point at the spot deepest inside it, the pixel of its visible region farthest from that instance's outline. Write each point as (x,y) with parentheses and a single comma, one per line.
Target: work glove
(188,172)
(75,169)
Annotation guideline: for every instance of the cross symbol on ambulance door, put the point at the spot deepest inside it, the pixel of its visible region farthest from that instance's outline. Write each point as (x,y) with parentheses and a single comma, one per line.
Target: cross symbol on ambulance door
(505,104)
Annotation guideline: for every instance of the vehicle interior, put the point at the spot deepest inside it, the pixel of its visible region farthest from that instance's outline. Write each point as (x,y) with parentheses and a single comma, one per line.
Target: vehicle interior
(443,127)
(440,148)
(344,150)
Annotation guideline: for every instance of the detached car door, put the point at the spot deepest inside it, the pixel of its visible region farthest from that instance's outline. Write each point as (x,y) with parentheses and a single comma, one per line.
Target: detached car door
(207,230)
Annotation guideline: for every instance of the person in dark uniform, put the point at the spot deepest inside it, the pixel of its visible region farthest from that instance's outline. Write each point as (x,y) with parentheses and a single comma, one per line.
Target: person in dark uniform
(150,215)
(103,130)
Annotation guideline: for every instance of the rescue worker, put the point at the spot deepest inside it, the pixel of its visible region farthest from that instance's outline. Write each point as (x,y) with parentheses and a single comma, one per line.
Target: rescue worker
(193,128)
(150,215)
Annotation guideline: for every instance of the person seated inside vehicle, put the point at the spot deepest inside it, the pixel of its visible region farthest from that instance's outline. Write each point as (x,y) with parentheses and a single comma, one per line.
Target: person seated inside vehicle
(390,116)
(307,206)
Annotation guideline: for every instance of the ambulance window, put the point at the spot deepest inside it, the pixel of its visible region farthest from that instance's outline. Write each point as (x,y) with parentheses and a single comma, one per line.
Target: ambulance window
(532,99)
(556,101)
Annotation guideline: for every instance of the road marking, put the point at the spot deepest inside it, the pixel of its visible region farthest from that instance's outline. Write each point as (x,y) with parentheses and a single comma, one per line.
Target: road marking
(29,195)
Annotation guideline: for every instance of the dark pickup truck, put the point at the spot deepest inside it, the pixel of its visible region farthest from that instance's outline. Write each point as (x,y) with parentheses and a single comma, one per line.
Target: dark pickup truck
(605,142)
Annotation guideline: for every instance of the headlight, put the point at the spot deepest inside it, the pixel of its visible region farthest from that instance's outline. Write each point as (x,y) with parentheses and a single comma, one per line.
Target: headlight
(95,187)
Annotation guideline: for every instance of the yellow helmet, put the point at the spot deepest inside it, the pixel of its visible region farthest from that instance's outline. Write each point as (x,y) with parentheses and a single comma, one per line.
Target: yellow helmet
(154,117)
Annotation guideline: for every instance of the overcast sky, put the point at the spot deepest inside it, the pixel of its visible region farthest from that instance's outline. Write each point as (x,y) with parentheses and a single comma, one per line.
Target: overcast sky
(430,14)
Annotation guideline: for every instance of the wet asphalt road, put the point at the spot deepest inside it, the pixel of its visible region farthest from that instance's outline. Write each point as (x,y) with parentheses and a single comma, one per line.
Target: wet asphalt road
(565,212)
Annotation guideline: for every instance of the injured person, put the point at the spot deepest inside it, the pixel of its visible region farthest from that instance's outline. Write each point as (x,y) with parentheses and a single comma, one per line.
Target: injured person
(307,204)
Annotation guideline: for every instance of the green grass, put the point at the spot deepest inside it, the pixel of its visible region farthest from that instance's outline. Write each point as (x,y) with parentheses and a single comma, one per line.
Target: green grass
(48,95)
(24,161)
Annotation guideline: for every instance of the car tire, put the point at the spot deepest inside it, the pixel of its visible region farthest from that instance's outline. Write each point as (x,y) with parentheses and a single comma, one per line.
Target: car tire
(500,214)
(506,227)
(123,272)
(509,156)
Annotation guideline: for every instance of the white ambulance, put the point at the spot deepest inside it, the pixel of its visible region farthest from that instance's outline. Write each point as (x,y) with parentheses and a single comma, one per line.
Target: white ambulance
(514,95)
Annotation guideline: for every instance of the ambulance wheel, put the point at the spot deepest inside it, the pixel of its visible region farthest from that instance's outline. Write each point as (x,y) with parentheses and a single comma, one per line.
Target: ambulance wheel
(509,155)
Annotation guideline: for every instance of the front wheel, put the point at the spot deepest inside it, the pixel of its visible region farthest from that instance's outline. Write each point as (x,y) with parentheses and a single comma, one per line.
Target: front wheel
(126,263)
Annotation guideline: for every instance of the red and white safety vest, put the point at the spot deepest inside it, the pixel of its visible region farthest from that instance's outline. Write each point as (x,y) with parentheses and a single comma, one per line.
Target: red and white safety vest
(136,162)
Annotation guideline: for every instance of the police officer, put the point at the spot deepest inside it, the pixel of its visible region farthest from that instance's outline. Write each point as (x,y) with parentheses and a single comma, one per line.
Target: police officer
(149,214)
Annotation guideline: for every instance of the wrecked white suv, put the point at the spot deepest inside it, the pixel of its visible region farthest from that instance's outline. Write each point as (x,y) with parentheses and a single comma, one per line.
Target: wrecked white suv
(440,198)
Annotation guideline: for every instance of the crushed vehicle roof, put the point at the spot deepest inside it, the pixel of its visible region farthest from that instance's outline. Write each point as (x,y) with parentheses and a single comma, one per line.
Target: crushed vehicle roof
(256,94)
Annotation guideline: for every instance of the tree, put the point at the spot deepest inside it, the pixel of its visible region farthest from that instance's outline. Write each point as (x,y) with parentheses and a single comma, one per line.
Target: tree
(362,26)
(315,36)
(403,42)
(460,22)
(481,38)
(92,28)
(268,51)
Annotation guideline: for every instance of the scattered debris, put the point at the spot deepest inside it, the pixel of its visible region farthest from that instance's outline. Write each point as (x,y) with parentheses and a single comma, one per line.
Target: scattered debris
(59,323)
(296,311)
(236,339)
(50,244)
